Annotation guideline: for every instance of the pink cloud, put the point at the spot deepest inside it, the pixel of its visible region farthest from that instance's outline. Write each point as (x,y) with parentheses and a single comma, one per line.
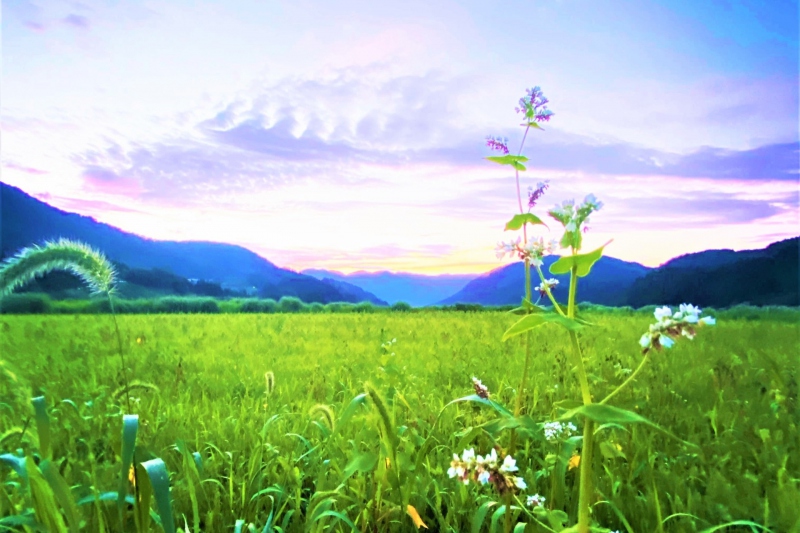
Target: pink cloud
(27,170)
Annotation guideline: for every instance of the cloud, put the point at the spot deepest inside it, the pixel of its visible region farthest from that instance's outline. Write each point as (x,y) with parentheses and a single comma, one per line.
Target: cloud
(76,21)
(330,129)
(21,168)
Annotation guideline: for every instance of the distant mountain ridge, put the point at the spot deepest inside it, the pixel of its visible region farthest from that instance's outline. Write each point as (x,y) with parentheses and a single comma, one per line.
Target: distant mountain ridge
(414,289)
(717,278)
(606,284)
(24,221)
(722,278)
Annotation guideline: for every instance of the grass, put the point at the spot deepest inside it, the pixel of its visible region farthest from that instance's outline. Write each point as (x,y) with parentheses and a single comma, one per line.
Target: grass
(324,452)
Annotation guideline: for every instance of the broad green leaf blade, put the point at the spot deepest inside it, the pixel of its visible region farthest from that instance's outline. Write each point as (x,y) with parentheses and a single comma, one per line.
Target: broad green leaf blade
(524,324)
(583,262)
(159,479)
(519,220)
(363,462)
(480,516)
(507,159)
(44,501)
(533,125)
(268,526)
(520,527)
(16,463)
(607,414)
(62,493)
(477,399)
(496,516)
(144,492)
(338,515)
(42,426)
(237,528)
(533,321)
(130,426)
(349,411)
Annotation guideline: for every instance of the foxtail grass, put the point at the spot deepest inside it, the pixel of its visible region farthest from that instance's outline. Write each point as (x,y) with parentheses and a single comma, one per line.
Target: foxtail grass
(91,266)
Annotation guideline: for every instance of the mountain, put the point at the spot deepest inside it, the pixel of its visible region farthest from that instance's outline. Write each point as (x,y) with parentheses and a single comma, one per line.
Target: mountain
(606,284)
(25,220)
(414,289)
(721,278)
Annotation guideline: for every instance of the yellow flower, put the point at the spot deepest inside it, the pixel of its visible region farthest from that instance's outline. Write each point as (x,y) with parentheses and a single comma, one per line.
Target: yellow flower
(412,512)
(574,461)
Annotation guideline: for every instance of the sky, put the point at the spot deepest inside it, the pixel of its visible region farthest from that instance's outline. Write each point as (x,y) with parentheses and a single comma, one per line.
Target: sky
(350,135)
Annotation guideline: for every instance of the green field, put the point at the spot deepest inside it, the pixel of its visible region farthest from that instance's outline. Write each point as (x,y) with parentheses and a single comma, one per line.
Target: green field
(307,457)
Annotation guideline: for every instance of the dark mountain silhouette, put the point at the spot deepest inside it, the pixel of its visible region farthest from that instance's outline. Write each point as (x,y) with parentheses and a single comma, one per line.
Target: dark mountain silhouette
(722,278)
(606,284)
(25,220)
(414,289)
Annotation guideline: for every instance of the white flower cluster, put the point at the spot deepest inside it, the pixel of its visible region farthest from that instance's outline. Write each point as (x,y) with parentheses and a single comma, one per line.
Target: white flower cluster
(480,389)
(487,469)
(548,284)
(682,322)
(572,217)
(553,431)
(537,500)
(535,249)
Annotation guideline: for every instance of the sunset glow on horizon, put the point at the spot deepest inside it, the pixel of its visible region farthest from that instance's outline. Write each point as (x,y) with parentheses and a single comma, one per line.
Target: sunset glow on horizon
(350,136)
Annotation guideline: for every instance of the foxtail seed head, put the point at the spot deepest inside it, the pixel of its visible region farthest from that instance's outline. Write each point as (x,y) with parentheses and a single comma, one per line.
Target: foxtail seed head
(64,254)
(269,378)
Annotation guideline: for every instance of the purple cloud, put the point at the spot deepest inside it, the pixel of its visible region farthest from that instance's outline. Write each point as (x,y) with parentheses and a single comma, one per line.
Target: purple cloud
(76,21)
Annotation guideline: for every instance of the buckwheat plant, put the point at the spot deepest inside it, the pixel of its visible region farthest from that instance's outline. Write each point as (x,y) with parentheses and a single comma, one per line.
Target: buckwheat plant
(573,218)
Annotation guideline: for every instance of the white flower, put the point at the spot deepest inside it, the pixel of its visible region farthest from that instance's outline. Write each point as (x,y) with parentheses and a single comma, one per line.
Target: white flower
(689,309)
(571,226)
(520,483)
(483,477)
(644,342)
(536,500)
(662,313)
(552,246)
(665,341)
(456,471)
(468,455)
(708,320)
(509,465)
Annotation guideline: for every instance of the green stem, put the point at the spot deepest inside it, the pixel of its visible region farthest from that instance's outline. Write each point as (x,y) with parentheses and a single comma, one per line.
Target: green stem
(627,381)
(549,293)
(586,490)
(520,393)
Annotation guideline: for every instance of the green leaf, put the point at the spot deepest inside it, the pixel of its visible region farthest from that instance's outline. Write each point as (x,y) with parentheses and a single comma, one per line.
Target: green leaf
(496,516)
(533,125)
(42,426)
(583,262)
(349,411)
(43,499)
(517,221)
(533,321)
(17,463)
(477,399)
(159,480)
(363,462)
(338,515)
(62,493)
(130,426)
(607,414)
(480,516)
(507,159)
